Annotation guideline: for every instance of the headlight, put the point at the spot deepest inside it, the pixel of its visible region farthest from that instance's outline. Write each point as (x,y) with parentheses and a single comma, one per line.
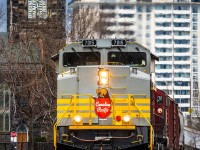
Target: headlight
(126,118)
(77,118)
(103,77)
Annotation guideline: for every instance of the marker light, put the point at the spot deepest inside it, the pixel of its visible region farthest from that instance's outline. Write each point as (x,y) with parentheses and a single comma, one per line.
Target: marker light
(77,118)
(126,118)
(118,118)
(159,110)
(103,77)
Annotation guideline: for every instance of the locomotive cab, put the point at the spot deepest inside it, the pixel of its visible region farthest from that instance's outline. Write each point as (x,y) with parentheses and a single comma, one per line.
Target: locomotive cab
(103,96)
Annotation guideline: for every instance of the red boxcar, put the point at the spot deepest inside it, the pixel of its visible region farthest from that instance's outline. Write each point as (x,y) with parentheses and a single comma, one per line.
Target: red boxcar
(165,120)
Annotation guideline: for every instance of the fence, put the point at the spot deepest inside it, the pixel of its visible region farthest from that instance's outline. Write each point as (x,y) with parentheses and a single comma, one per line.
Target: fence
(26,146)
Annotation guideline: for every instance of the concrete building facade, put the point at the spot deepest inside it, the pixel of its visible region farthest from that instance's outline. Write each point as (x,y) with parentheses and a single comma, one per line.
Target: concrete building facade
(170,29)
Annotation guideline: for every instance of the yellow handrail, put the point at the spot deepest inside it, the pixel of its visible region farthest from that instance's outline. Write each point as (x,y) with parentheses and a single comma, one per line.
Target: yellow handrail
(72,97)
(151,128)
(58,121)
(131,96)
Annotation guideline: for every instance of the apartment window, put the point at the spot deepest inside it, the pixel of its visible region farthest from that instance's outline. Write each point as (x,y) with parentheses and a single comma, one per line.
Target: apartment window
(194,35)
(163,75)
(194,53)
(165,58)
(182,92)
(194,18)
(182,66)
(163,15)
(148,27)
(126,15)
(181,8)
(185,75)
(182,16)
(139,8)
(126,7)
(177,100)
(184,109)
(148,8)
(148,16)
(181,24)
(181,41)
(106,6)
(194,26)
(194,44)
(126,23)
(195,9)
(163,32)
(183,33)
(165,24)
(163,50)
(184,100)
(181,58)
(195,69)
(181,50)
(163,41)
(162,7)
(162,66)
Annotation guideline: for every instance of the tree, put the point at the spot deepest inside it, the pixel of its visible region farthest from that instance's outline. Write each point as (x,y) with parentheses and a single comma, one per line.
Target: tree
(30,74)
(89,22)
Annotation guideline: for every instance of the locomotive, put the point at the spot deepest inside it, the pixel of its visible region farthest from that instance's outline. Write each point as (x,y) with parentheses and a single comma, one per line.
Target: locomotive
(106,99)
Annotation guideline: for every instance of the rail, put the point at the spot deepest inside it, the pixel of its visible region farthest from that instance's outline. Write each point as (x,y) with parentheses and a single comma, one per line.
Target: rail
(73,100)
(131,100)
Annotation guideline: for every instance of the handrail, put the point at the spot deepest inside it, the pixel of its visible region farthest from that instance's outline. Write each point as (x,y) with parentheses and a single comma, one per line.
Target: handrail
(151,128)
(131,96)
(58,121)
(72,97)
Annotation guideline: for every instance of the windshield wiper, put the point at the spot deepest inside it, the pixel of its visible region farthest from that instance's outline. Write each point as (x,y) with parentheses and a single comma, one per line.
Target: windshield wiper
(76,52)
(94,52)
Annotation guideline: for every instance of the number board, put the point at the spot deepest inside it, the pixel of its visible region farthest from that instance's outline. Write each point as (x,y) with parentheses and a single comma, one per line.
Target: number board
(89,43)
(118,42)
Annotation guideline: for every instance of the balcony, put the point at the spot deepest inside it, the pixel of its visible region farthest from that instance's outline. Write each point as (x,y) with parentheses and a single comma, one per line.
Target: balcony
(181,28)
(186,37)
(181,20)
(163,11)
(182,62)
(182,54)
(181,45)
(181,11)
(163,28)
(163,45)
(163,19)
(163,70)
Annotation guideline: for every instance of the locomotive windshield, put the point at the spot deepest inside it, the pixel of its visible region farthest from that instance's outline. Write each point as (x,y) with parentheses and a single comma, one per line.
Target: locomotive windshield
(81,58)
(137,59)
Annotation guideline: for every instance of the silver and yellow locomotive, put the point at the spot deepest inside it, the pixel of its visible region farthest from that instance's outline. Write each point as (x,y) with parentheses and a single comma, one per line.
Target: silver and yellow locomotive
(103,96)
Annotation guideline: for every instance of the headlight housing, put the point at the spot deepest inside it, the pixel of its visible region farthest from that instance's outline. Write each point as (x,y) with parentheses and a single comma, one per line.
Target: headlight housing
(78,119)
(103,77)
(127,118)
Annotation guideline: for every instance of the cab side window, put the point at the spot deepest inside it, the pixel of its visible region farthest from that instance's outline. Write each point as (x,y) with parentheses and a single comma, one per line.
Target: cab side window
(159,100)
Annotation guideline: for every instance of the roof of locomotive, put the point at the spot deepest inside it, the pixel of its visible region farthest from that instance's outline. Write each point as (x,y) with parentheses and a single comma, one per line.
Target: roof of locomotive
(154,57)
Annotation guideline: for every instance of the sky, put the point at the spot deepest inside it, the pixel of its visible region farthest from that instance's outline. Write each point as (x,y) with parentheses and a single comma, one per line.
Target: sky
(3,5)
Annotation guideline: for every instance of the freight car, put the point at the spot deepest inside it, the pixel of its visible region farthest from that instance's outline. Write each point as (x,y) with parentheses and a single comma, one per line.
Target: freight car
(104,97)
(167,121)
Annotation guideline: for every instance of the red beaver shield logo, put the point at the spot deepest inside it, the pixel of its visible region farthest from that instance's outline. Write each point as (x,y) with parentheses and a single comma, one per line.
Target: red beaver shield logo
(102,107)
